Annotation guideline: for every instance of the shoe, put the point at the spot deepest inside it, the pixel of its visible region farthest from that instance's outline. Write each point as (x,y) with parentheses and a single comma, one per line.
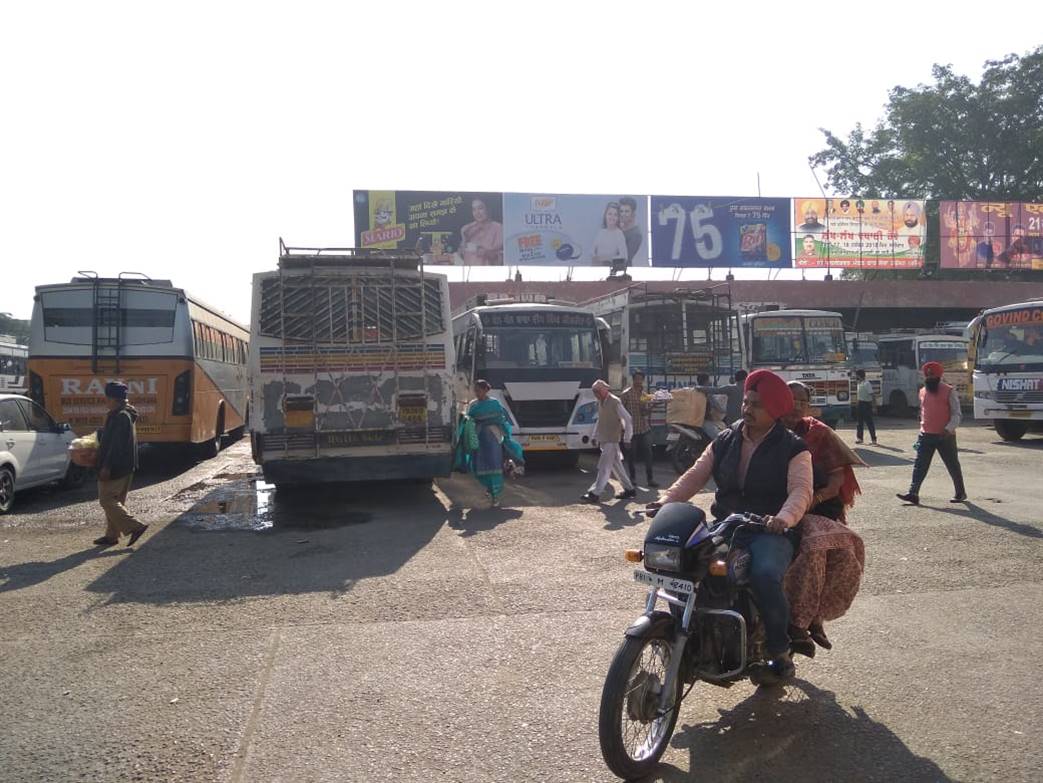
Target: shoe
(494,503)
(961,498)
(652,484)
(589,497)
(909,498)
(874,441)
(774,672)
(136,535)
(105,541)
(804,647)
(626,494)
(859,440)
(818,635)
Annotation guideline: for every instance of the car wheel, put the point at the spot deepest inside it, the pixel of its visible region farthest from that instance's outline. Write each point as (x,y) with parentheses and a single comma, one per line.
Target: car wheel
(6,489)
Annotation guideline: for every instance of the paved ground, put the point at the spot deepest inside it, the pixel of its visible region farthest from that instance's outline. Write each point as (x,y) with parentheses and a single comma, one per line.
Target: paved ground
(404,633)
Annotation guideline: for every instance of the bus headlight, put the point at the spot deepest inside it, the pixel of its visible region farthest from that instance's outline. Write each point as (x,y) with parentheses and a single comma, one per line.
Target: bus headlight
(586,413)
(843,395)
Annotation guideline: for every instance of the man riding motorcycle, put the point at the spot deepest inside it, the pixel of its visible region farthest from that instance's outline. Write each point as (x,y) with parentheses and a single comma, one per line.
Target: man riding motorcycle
(760,466)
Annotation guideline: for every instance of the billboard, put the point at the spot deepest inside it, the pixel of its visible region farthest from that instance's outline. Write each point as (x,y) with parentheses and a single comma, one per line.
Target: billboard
(991,235)
(858,233)
(447,227)
(554,229)
(706,231)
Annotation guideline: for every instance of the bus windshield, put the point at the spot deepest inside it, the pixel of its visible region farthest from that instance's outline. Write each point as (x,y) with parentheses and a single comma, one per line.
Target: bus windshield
(541,347)
(798,340)
(862,354)
(1012,341)
(952,356)
(146,317)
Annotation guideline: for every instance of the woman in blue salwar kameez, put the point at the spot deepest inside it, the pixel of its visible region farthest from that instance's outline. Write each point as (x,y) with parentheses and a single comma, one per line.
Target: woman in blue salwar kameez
(485,454)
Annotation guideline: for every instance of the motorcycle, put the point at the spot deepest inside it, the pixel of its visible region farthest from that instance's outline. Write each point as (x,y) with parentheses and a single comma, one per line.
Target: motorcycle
(710,632)
(684,444)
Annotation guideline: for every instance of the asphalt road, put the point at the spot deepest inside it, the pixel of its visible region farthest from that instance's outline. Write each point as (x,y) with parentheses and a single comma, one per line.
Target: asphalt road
(408,633)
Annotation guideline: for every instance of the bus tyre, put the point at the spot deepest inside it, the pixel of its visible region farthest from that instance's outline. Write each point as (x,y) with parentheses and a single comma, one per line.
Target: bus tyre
(6,489)
(1011,430)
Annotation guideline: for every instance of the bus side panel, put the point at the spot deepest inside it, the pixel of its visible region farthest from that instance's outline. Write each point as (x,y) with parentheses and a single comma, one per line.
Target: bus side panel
(217,385)
(73,393)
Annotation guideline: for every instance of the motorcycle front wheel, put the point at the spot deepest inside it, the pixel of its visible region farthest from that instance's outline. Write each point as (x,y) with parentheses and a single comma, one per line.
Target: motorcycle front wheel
(633,737)
(686,451)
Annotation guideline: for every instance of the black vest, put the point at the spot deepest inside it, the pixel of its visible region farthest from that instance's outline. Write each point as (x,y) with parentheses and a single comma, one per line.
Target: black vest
(765,489)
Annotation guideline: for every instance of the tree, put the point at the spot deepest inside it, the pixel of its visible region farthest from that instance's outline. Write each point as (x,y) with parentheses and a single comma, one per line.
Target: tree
(953,139)
(15,327)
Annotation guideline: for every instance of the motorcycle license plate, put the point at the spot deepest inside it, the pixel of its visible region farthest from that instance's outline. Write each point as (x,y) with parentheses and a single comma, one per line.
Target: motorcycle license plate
(666,582)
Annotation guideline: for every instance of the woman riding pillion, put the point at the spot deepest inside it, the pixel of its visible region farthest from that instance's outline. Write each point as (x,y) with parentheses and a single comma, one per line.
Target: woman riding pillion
(759,466)
(483,449)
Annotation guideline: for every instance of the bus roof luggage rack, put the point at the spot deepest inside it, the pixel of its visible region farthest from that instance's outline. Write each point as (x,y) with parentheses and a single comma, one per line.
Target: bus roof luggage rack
(308,257)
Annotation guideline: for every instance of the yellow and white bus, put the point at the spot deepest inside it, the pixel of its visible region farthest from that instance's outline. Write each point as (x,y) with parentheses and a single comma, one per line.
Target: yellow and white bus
(184,361)
(351,360)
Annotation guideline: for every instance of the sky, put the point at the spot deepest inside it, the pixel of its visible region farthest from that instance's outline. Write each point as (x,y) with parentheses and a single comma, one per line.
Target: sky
(182,140)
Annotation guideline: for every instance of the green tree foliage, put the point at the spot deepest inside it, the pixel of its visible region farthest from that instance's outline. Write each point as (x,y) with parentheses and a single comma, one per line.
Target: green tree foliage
(15,327)
(950,140)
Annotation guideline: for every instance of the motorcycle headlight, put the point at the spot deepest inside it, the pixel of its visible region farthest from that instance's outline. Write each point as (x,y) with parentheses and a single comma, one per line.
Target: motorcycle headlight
(586,413)
(666,558)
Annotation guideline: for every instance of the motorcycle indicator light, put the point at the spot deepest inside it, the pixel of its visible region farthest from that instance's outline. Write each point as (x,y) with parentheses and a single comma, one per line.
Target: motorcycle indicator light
(633,555)
(718,568)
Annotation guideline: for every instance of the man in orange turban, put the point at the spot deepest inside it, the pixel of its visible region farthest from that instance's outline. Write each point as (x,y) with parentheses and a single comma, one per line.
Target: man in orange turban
(940,415)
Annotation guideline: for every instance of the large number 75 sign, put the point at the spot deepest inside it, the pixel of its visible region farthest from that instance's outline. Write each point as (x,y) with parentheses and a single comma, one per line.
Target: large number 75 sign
(708,242)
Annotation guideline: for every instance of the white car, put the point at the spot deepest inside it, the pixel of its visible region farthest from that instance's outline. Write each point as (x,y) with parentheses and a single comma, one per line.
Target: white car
(34,449)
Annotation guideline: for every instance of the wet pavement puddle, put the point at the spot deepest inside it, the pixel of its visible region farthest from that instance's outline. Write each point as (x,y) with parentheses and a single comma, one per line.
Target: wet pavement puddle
(256,506)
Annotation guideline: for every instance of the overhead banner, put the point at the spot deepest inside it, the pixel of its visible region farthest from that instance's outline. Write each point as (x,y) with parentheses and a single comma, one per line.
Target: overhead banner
(991,235)
(461,228)
(858,233)
(716,231)
(554,229)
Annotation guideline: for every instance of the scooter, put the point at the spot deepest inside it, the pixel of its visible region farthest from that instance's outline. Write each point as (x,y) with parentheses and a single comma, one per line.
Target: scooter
(684,444)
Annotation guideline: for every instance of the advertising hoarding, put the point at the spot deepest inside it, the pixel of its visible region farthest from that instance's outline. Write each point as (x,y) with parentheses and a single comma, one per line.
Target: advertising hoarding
(858,233)
(709,231)
(447,227)
(991,235)
(553,229)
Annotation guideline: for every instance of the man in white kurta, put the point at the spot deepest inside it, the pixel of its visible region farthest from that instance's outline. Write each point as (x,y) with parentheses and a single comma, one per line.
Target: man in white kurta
(614,424)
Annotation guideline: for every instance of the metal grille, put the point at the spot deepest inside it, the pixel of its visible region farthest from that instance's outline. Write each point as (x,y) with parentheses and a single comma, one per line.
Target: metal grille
(1019,396)
(352,310)
(541,413)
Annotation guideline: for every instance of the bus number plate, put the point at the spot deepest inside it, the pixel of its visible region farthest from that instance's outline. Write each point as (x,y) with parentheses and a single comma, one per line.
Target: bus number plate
(412,415)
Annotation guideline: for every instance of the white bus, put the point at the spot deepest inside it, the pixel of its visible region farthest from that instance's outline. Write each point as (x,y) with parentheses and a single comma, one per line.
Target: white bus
(802,345)
(13,358)
(902,357)
(863,353)
(1007,350)
(540,360)
(351,359)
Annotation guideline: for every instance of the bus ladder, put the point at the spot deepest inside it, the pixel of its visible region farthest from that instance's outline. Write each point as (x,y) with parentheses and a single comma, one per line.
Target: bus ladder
(105,336)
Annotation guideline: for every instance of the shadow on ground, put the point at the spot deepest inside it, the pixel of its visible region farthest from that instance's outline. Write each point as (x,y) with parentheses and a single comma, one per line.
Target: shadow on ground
(979,514)
(800,733)
(246,539)
(16,577)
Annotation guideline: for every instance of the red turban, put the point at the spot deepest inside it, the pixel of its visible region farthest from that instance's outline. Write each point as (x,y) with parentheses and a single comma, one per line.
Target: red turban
(775,395)
(933,370)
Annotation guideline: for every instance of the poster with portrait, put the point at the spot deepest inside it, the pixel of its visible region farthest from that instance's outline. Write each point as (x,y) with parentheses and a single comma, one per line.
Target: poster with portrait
(856,233)
(554,229)
(720,231)
(991,235)
(446,227)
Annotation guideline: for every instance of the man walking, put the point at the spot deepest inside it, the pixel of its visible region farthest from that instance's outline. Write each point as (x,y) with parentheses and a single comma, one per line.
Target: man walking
(939,417)
(117,461)
(864,411)
(614,424)
(641,443)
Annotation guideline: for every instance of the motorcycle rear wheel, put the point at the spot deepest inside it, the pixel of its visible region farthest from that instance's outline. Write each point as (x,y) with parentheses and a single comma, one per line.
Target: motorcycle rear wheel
(632,737)
(685,452)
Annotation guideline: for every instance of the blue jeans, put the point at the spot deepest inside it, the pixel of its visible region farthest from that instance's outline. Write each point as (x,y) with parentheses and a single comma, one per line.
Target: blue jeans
(770,556)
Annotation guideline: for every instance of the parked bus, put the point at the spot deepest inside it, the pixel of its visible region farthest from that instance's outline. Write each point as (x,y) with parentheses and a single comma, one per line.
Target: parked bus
(902,357)
(13,358)
(802,345)
(540,360)
(351,360)
(1007,351)
(672,337)
(184,361)
(863,353)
